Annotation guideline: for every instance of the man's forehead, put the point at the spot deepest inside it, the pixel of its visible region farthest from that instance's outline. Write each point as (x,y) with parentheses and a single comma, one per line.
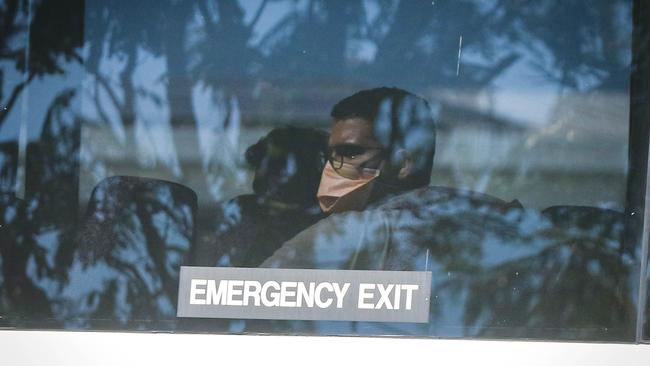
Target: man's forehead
(352,131)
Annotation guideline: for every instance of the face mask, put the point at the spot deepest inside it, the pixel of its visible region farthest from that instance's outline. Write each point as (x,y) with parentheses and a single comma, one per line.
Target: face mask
(345,189)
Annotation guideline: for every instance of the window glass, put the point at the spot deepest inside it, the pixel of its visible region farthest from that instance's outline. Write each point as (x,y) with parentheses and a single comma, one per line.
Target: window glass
(484,141)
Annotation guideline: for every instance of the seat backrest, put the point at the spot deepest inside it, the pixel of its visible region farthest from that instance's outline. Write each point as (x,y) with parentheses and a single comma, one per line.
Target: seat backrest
(131,243)
(601,222)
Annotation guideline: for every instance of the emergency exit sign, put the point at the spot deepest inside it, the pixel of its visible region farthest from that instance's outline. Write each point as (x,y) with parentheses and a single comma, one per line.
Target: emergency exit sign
(304,294)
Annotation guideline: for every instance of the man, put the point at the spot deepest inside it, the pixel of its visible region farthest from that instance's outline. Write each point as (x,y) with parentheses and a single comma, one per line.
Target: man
(382,143)
(494,265)
(287,165)
(382,214)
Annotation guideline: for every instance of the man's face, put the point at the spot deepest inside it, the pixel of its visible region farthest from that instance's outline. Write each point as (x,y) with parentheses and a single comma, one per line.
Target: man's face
(352,141)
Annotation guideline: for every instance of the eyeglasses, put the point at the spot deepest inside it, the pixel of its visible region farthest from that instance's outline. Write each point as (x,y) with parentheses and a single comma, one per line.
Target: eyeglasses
(350,154)
(344,158)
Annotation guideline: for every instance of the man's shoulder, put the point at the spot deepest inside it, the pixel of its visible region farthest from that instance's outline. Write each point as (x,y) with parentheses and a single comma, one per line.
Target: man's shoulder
(435,195)
(362,239)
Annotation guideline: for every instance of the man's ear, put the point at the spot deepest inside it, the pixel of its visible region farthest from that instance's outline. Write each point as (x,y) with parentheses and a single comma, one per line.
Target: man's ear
(404,162)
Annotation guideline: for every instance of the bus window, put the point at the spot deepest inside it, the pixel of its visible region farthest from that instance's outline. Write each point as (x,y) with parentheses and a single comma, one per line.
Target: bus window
(499,146)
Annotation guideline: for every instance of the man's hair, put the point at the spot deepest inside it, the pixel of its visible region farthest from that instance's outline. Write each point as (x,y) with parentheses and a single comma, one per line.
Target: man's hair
(401,120)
